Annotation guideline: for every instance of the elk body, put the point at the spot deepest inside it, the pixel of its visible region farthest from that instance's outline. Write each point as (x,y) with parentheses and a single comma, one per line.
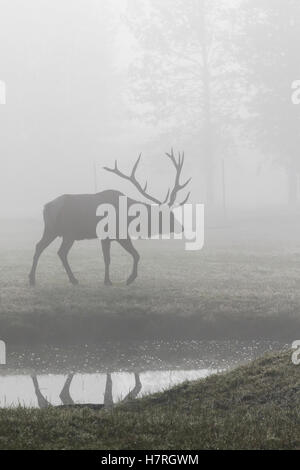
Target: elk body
(74,217)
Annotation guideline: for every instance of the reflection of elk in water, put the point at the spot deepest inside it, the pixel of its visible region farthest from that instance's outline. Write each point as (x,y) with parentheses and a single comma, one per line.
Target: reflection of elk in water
(136,390)
(42,401)
(73,217)
(65,396)
(67,400)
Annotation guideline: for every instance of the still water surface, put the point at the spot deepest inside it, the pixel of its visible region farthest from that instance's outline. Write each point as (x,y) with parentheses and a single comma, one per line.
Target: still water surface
(108,373)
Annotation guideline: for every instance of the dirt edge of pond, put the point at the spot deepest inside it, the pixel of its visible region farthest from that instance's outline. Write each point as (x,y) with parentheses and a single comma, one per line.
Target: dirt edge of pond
(63,329)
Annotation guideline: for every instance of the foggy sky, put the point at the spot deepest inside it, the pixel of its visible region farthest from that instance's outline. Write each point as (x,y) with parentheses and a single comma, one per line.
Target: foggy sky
(65,64)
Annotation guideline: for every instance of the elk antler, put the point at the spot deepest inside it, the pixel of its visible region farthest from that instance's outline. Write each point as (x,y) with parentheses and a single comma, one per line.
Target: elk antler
(134,181)
(177,186)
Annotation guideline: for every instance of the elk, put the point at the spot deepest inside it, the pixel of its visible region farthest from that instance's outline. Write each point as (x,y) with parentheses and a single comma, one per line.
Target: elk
(74,217)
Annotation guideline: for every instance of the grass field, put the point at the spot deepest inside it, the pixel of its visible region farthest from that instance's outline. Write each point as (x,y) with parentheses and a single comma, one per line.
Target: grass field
(243,284)
(252,407)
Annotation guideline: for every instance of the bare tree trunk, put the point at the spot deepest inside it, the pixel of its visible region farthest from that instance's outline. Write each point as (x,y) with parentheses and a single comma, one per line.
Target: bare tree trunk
(207,121)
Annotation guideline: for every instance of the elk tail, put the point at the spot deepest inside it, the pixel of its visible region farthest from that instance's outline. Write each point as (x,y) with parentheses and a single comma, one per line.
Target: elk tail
(51,213)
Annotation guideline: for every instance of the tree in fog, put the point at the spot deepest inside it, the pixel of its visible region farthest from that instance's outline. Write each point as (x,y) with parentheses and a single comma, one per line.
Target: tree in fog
(186,76)
(272,57)
(63,109)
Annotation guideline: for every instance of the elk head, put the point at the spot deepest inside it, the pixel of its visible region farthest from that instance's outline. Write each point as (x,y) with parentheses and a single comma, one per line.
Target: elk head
(170,199)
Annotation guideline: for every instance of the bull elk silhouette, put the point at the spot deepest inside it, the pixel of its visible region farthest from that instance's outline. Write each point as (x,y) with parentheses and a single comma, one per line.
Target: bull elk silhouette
(74,217)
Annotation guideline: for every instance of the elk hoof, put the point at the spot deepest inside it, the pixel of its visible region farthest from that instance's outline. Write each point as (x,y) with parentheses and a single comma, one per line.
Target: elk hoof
(74,281)
(130,280)
(108,283)
(31,281)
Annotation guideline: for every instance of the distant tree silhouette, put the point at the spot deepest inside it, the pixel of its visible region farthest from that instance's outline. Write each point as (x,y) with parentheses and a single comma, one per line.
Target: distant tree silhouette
(186,74)
(270,52)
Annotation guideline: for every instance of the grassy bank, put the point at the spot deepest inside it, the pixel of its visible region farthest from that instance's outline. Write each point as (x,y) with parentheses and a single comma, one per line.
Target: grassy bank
(252,407)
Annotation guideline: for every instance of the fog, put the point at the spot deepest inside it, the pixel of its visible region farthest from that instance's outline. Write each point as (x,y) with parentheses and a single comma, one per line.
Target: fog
(103,300)
(88,82)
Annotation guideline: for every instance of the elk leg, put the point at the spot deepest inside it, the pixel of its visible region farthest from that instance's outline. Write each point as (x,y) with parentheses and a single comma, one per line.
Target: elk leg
(65,396)
(106,255)
(42,401)
(108,398)
(128,246)
(45,241)
(136,390)
(63,254)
